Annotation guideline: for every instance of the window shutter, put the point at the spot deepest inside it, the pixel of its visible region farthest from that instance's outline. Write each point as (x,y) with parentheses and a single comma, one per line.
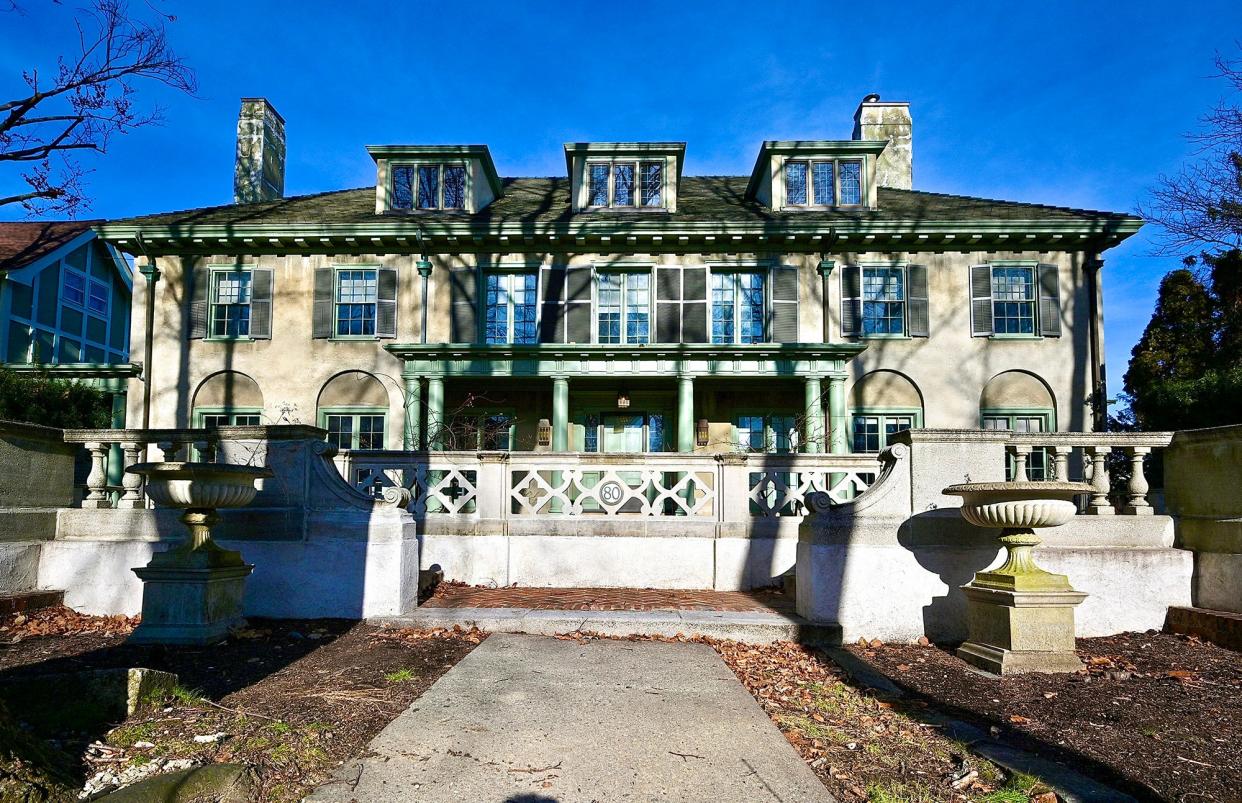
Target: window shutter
(463,286)
(200,280)
(551,305)
(784,283)
(261,303)
(916,301)
(668,304)
(694,322)
(851,300)
(577,305)
(1049,301)
(321,313)
(981,300)
(668,283)
(386,303)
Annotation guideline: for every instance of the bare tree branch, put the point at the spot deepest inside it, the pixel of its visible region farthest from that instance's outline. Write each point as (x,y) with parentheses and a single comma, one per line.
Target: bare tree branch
(90,98)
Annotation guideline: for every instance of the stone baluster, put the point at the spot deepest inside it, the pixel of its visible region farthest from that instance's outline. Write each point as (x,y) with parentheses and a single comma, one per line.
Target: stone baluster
(131,496)
(1020,454)
(97,480)
(1060,458)
(171,450)
(1099,504)
(206,450)
(1138,483)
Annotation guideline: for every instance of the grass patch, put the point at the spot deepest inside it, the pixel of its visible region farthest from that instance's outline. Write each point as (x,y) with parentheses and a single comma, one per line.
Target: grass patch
(401,676)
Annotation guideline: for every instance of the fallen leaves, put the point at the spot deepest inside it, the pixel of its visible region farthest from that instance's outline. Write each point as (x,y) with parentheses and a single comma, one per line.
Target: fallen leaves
(62,621)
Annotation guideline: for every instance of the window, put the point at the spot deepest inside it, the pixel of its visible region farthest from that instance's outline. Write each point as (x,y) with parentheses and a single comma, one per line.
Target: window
(767,433)
(624,304)
(247,418)
(872,431)
(74,288)
(355,430)
(488,432)
(883,301)
(625,184)
(851,183)
(432,186)
(738,308)
(230,303)
(1039,463)
(356,299)
(1013,300)
(510,310)
(814,182)
(98,301)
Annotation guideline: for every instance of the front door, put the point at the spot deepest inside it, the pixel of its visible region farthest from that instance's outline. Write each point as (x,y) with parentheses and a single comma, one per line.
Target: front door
(623,433)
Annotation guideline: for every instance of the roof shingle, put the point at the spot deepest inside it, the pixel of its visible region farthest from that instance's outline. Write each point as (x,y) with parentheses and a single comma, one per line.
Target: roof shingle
(23,243)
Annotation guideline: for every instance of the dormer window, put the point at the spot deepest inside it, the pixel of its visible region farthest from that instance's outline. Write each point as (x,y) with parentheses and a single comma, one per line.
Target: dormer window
(429,186)
(814,182)
(626,184)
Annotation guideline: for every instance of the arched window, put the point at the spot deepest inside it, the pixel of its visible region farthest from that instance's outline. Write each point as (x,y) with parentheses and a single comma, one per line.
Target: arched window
(229,398)
(354,407)
(1020,402)
(882,403)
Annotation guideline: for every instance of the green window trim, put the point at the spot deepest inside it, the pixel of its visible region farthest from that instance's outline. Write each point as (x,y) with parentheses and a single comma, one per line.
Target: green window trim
(215,275)
(812,195)
(774,424)
(201,413)
(415,172)
(1044,301)
(1039,462)
(882,413)
(632,301)
(355,413)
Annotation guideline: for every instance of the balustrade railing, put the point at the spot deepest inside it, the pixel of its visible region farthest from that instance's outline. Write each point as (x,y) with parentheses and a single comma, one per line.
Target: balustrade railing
(1095,451)
(134,445)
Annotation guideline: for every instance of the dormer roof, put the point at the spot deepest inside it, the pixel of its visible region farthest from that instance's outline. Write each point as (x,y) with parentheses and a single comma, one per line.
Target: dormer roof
(637,150)
(808,149)
(432,153)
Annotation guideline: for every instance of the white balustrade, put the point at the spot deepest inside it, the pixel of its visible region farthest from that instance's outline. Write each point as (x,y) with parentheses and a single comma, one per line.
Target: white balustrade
(132,446)
(1096,449)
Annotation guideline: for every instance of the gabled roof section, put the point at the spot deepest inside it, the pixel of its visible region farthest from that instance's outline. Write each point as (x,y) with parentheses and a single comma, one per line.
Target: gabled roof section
(413,153)
(807,147)
(637,150)
(24,242)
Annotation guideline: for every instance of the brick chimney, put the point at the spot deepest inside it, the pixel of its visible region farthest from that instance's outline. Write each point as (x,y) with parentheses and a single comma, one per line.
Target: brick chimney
(877,120)
(259,174)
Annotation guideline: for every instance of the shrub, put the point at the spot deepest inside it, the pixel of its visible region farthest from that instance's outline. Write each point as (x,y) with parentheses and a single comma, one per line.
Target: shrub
(42,399)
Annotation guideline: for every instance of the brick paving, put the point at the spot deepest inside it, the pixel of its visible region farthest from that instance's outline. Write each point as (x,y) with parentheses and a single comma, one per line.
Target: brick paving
(609,599)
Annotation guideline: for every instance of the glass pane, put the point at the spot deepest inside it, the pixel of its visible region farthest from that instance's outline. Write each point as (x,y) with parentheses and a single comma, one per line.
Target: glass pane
(851,183)
(495,432)
(23,299)
(370,432)
(246,420)
(42,351)
(884,297)
(637,307)
(523,295)
(98,301)
(655,433)
(341,431)
(623,185)
(783,435)
(866,433)
(213,420)
(454,187)
(403,188)
(19,342)
(1013,300)
(356,295)
(599,185)
(795,183)
(751,435)
(96,329)
(230,312)
(69,351)
(821,181)
(71,321)
(75,288)
(653,182)
(429,187)
(590,434)
(608,327)
(722,307)
(496,312)
(751,307)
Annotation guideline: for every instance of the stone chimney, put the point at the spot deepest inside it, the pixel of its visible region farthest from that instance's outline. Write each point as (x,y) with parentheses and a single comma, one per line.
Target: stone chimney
(259,174)
(877,120)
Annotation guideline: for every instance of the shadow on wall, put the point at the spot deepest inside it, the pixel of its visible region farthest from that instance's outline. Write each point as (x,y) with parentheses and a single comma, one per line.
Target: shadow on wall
(945,545)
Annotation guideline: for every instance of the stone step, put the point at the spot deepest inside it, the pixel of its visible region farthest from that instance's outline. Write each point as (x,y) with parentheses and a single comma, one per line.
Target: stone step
(752,627)
(29,601)
(1219,627)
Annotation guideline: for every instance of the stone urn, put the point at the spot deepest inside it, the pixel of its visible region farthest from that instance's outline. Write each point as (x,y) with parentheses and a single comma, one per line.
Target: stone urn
(1020,618)
(192,593)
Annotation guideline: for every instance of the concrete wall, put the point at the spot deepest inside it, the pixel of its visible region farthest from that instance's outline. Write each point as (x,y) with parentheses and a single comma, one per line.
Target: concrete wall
(36,478)
(1203,491)
(950,368)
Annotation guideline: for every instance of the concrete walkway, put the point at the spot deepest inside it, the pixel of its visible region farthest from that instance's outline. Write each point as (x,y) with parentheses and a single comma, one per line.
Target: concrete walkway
(526,719)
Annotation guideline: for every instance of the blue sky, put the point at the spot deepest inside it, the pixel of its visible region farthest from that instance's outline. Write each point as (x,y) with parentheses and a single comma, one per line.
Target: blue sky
(1074,103)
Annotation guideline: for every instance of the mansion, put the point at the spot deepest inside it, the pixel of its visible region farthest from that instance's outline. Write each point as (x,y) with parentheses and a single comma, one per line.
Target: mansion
(818,304)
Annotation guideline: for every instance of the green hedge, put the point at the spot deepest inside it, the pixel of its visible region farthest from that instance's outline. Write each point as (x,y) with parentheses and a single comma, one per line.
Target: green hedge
(41,399)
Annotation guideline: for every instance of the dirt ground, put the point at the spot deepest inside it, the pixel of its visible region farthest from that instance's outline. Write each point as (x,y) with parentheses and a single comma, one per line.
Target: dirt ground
(1156,714)
(295,699)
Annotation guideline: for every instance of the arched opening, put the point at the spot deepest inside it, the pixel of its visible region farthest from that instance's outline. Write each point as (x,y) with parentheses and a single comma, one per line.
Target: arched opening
(354,408)
(882,403)
(228,398)
(1023,403)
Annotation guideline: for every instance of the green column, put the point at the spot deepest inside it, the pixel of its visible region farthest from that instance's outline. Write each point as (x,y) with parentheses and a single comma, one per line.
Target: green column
(560,414)
(412,437)
(814,412)
(685,414)
(116,462)
(435,413)
(837,442)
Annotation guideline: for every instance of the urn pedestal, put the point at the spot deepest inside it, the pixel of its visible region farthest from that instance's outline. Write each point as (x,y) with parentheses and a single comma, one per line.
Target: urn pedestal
(192,593)
(1020,618)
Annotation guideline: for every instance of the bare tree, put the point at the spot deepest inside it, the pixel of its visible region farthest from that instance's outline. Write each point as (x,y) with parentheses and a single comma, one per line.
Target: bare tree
(1200,208)
(89,98)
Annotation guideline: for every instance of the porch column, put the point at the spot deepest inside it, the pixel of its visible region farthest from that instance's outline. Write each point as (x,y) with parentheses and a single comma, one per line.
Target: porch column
(412,437)
(435,413)
(814,415)
(560,414)
(837,442)
(685,413)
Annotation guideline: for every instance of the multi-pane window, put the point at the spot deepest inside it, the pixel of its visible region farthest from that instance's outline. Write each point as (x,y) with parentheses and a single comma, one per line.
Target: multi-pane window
(432,186)
(1039,465)
(66,315)
(1013,300)
(738,307)
(213,420)
(625,184)
(355,430)
(230,303)
(97,302)
(809,182)
(883,301)
(489,432)
(851,183)
(509,316)
(75,288)
(356,299)
(873,432)
(767,433)
(624,304)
